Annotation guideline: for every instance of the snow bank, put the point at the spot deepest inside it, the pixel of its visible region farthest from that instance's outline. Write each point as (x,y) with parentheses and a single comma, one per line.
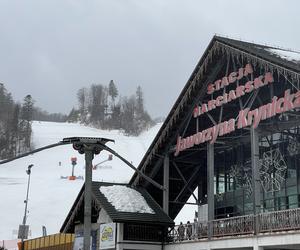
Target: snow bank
(126,199)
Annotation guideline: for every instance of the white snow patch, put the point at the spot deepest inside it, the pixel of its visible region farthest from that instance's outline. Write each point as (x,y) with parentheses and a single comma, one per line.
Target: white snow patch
(287,55)
(126,199)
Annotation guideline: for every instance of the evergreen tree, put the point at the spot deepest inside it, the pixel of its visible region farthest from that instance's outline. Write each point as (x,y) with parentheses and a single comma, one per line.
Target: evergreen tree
(112,91)
(27,108)
(128,116)
(82,97)
(6,110)
(15,130)
(139,101)
(98,105)
(143,119)
(12,131)
(116,117)
(26,116)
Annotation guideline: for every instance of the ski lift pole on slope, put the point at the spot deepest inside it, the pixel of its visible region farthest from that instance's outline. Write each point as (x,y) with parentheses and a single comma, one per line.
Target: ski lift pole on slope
(73,162)
(110,157)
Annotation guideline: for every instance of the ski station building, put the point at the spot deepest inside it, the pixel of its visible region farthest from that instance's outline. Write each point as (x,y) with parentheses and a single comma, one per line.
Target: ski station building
(123,217)
(234,136)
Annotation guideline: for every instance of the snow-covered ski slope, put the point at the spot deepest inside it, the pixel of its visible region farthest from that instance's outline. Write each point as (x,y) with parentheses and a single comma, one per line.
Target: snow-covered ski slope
(50,197)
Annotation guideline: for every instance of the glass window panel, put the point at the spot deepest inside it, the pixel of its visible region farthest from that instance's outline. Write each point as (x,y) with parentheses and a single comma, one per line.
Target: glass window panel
(291,190)
(280,193)
(293,200)
(291,182)
(269,203)
(292,173)
(293,206)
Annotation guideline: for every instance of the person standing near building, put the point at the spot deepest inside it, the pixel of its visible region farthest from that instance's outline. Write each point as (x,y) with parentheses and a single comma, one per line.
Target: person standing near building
(189,229)
(181,230)
(195,229)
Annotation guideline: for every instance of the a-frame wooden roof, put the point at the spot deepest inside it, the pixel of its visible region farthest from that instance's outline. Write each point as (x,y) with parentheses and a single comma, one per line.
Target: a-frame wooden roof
(158,217)
(207,69)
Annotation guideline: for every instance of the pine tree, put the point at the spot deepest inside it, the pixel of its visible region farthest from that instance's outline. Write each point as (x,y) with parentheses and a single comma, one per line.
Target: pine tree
(6,110)
(112,91)
(26,116)
(82,97)
(98,104)
(143,119)
(128,116)
(27,108)
(139,101)
(15,130)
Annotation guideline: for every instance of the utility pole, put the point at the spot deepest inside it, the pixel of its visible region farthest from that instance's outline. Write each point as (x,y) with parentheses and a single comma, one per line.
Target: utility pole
(89,147)
(23,229)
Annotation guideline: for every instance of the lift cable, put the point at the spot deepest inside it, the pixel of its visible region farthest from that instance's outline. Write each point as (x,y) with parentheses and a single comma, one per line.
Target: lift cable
(34,151)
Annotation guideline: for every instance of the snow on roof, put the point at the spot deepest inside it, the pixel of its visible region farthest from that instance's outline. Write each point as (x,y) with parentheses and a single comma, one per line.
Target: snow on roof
(286,54)
(126,199)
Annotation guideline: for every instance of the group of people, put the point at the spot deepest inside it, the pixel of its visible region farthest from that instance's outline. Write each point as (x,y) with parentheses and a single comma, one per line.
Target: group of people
(188,231)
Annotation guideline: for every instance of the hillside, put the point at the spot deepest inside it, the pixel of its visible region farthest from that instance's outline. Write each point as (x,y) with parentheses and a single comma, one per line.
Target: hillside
(51,197)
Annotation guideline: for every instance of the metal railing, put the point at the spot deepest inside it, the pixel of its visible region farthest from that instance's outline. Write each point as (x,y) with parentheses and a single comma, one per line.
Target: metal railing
(279,221)
(269,222)
(233,226)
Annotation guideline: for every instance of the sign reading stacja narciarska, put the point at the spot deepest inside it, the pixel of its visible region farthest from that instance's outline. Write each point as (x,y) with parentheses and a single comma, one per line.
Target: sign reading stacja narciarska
(246,117)
(107,236)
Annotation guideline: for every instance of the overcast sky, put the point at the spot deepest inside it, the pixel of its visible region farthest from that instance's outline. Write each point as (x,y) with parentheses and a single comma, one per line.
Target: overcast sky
(51,48)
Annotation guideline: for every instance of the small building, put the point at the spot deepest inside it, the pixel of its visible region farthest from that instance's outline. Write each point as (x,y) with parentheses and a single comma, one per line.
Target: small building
(123,217)
(54,241)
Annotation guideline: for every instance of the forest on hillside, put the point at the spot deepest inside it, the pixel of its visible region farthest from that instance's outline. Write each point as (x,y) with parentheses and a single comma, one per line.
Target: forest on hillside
(99,106)
(102,107)
(15,124)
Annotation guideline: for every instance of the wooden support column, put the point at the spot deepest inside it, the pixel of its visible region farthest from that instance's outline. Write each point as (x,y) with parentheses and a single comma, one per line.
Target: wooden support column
(210,188)
(255,176)
(166,184)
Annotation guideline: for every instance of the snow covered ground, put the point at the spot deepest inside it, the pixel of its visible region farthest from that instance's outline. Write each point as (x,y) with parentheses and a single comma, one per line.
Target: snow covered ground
(50,197)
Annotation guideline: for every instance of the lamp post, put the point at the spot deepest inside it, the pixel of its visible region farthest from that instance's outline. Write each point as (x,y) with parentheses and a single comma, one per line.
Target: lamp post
(23,229)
